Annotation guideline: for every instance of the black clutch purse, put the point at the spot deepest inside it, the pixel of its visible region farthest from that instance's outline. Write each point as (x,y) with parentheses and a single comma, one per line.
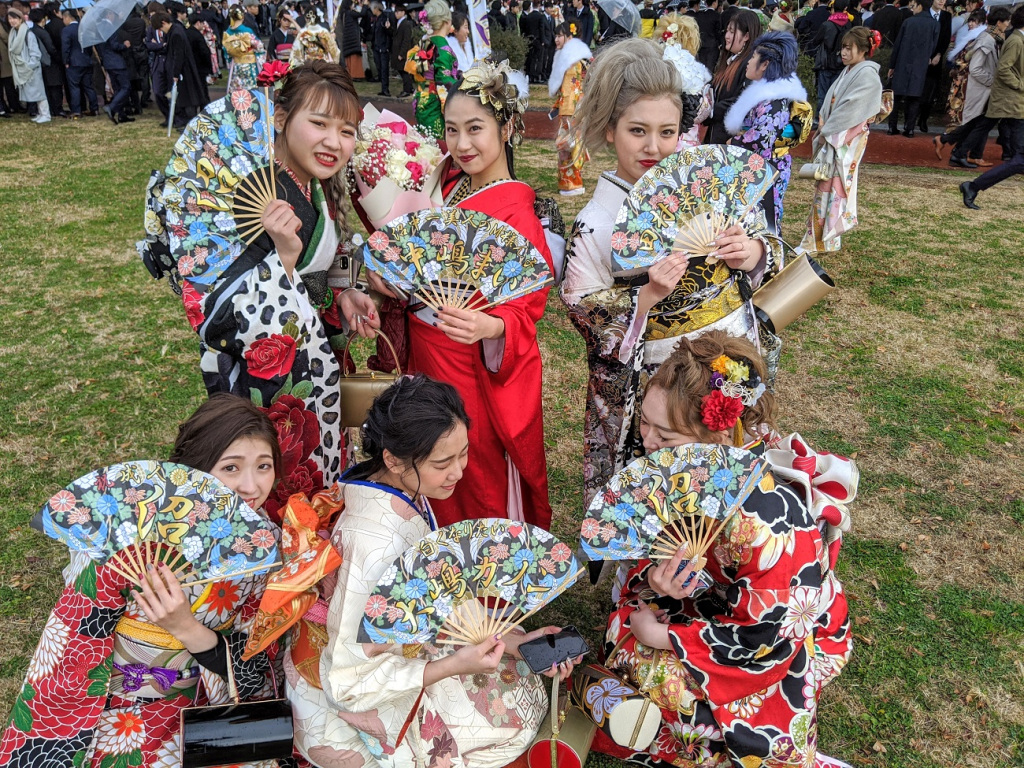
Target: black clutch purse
(227,734)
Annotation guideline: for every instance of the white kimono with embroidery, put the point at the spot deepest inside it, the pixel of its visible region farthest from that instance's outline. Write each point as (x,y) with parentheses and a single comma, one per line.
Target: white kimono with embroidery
(373,709)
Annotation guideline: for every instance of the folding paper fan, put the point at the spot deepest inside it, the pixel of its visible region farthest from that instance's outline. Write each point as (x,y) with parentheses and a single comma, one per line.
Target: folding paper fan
(685,202)
(220,179)
(131,515)
(456,258)
(673,497)
(438,585)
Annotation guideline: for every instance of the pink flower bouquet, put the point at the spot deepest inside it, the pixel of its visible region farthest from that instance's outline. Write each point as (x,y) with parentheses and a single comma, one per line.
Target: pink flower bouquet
(398,169)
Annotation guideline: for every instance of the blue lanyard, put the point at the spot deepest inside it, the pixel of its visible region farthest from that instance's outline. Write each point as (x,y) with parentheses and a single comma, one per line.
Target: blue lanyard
(427,514)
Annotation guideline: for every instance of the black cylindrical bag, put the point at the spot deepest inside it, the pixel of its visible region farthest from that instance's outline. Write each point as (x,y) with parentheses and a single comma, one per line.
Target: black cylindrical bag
(227,734)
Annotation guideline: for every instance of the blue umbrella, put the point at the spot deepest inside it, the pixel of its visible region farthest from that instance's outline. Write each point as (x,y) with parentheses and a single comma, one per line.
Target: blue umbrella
(102,20)
(75,5)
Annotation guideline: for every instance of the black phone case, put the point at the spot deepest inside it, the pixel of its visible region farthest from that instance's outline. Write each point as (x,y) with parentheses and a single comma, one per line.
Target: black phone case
(541,653)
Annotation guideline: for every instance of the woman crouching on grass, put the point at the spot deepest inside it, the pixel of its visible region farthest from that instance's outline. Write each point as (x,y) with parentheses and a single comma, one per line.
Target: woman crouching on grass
(741,663)
(376,705)
(114,669)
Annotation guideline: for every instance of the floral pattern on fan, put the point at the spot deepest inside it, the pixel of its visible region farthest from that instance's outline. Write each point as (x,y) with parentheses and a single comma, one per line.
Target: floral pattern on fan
(517,567)
(187,511)
(226,143)
(720,183)
(455,257)
(628,518)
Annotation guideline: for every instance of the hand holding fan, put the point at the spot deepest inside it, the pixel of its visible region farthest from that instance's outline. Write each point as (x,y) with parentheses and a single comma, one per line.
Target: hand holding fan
(684,203)
(673,498)
(140,513)
(450,257)
(438,584)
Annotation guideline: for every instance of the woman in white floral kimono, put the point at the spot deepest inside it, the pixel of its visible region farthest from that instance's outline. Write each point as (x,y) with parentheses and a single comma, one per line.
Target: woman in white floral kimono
(418,705)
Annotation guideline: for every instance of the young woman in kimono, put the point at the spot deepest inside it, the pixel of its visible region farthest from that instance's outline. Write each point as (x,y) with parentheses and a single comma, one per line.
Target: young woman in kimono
(730,79)
(114,668)
(679,38)
(572,56)
(269,325)
(760,118)
(741,665)
(491,357)
(244,50)
(436,70)
(424,705)
(631,101)
(852,103)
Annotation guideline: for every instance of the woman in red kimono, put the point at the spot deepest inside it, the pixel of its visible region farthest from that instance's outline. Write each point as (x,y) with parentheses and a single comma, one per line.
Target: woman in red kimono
(491,357)
(737,668)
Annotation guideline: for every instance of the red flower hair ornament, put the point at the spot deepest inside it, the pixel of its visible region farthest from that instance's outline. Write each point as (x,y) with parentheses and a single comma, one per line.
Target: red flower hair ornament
(273,73)
(719,412)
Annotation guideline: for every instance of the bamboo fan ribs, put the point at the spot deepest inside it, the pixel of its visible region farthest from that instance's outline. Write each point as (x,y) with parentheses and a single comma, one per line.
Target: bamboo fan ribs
(133,561)
(697,237)
(252,196)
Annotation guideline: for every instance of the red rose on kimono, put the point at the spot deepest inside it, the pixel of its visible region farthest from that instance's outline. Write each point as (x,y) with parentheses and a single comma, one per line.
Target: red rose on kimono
(330,314)
(305,478)
(272,356)
(298,432)
(193,306)
(719,412)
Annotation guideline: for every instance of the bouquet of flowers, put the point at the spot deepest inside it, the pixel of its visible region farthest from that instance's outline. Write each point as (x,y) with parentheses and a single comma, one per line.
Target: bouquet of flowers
(397,168)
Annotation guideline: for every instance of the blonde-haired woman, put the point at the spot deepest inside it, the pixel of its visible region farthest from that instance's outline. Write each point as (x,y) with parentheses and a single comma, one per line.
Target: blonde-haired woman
(679,38)
(435,68)
(244,49)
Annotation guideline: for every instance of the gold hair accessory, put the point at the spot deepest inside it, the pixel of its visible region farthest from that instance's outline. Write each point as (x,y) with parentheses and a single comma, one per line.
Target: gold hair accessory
(490,82)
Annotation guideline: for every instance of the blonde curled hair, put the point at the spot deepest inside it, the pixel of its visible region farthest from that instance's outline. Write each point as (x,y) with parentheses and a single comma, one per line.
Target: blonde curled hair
(686,378)
(438,14)
(686,32)
(620,75)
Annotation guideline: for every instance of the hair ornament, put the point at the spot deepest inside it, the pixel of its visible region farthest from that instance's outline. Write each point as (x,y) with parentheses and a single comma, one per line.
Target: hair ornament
(876,40)
(734,387)
(273,73)
(572,29)
(490,82)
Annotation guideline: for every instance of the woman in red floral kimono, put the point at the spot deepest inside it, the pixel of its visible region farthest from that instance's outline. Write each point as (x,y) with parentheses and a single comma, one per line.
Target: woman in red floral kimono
(111,674)
(491,357)
(737,668)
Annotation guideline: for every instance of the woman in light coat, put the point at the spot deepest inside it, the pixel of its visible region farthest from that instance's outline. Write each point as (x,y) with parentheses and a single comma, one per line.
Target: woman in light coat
(26,64)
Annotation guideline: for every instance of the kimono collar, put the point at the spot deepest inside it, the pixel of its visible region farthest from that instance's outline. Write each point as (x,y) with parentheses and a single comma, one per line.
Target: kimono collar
(573,51)
(426,513)
(306,189)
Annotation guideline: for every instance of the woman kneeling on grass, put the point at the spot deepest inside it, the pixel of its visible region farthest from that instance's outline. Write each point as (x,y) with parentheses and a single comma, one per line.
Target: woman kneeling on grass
(114,669)
(375,705)
(741,664)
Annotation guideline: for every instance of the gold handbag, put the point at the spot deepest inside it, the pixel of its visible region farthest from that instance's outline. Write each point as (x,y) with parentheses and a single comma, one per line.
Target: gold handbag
(358,390)
(564,738)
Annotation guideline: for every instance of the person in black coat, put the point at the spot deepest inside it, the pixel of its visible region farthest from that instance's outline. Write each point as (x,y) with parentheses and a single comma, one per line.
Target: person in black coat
(583,17)
(402,33)
(937,64)
(712,34)
(134,29)
(807,26)
(531,25)
(349,36)
(547,37)
(53,68)
(380,39)
(887,22)
(826,45)
(908,66)
(77,68)
(113,56)
(181,69)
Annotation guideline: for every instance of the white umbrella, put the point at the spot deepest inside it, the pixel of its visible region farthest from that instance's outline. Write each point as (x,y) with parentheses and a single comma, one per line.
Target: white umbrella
(102,20)
(622,12)
(174,102)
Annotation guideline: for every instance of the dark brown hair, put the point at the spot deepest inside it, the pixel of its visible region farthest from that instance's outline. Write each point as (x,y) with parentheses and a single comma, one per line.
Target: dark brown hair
(686,379)
(859,37)
(206,434)
(745,22)
(323,84)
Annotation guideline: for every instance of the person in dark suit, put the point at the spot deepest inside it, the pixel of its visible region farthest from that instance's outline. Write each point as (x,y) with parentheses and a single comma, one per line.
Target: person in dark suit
(547,36)
(583,17)
(156,46)
(77,67)
(402,33)
(134,29)
(380,39)
(807,25)
(826,46)
(908,65)
(712,34)
(113,53)
(887,21)
(905,10)
(181,69)
(530,25)
(936,65)
(53,69)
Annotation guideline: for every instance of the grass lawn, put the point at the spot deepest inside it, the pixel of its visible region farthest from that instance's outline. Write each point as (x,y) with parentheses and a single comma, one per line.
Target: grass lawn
(914,365)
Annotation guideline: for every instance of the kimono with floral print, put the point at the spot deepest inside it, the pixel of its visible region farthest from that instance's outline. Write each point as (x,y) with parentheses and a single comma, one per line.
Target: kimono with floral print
(435,70)
(749,656)
(761,129)
(367,705)
(105,687)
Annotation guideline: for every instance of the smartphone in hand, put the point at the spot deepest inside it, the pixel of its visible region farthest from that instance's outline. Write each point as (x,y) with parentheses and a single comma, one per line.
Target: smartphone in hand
(541,653)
